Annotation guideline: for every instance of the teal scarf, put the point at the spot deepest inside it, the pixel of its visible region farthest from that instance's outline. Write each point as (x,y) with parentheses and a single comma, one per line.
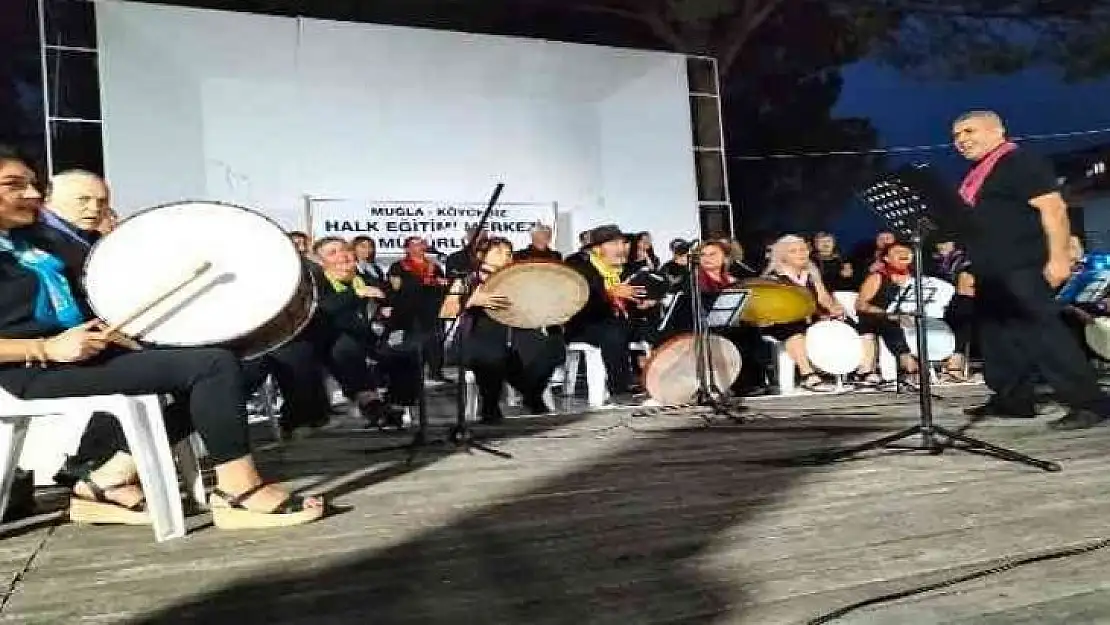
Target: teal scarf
(55,305)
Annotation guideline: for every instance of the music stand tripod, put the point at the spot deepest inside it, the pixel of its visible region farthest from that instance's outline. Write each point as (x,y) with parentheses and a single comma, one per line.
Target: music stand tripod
(720,314)
(907,214)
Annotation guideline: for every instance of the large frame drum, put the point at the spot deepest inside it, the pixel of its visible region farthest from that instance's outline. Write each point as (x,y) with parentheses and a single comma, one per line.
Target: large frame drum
(257,295)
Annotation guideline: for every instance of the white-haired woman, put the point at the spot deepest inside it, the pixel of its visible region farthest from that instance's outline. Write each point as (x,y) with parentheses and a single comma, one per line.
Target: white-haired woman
(790,263)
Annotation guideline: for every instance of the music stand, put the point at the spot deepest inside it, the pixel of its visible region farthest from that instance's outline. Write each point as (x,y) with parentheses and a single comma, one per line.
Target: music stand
(910,213)
(708,393)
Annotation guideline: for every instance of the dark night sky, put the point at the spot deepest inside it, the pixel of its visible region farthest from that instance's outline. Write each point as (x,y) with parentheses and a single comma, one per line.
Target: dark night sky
(915,112)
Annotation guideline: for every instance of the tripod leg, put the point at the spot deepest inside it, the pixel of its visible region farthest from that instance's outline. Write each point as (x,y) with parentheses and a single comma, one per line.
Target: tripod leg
(1002,453)
(829,457)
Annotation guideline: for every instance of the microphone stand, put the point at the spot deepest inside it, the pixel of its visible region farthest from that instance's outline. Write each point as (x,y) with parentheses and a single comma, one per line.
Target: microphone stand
(708,393)
(460,434)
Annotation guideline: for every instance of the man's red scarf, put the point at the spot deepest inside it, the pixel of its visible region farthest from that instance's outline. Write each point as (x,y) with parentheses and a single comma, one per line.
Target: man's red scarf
(973,182)
(422,268)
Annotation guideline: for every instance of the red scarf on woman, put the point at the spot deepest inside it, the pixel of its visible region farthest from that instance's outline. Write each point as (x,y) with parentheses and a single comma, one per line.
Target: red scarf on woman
(973,182)
(422,268)
(890,272)
(713,284)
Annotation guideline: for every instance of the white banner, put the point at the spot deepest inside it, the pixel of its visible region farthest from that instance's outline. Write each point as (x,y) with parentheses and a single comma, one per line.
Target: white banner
(442,224)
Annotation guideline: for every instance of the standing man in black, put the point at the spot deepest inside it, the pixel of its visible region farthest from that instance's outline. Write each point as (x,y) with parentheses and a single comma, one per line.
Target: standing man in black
(1018,242)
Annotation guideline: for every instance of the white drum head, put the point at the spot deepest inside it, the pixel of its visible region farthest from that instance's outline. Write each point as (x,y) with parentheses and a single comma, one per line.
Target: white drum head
(834,347)
(255,273)
(941,341)
(1097,334)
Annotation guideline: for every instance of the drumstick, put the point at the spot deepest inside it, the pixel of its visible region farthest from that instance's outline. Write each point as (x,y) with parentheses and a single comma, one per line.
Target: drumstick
(145,308)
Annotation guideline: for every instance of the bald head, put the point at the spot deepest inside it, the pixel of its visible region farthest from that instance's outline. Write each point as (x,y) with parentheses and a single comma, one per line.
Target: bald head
(977,133)
(79,197)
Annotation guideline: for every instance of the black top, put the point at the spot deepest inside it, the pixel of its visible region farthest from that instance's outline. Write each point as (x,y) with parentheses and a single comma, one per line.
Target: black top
(343,311)
(598,307)
(18,289)
(531,253)
(458,264)
(415,304)
(888,293)
(1005,232)
(830,272)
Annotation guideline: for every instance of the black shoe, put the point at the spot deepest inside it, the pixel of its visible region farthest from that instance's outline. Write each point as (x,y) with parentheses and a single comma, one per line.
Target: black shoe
(1001,410)
(1077,419)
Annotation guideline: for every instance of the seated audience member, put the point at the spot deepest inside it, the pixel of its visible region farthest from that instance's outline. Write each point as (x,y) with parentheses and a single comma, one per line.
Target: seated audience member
(866,256)
(603,321)
(498,354)
(878,291)
(459,264)
(677,269)
(366,262)
(641,253)
(949,261)
(835,270)
(52,349)
(419,287)
(540,249)
(790,264)
(583,253)
(345,336)
(77,202)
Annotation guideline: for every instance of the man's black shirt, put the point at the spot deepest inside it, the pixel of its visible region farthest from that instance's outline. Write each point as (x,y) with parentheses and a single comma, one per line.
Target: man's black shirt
(1005,232)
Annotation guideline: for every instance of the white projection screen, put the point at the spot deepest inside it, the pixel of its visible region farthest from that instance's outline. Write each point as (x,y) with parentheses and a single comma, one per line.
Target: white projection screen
(261,111)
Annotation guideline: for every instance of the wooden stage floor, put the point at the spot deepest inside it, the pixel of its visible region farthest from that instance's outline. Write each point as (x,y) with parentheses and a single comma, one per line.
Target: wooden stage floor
(604,518)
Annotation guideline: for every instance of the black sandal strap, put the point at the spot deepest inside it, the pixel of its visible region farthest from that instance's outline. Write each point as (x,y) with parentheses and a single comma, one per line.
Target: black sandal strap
(291,503)
(100,495)
(236,501)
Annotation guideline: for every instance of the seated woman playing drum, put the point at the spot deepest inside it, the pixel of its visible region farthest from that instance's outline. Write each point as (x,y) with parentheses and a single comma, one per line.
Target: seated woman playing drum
(790,264)
(879,290)
(496,353)
(51,349)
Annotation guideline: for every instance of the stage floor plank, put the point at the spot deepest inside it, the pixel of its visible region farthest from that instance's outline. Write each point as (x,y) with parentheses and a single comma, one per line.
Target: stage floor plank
(605,518)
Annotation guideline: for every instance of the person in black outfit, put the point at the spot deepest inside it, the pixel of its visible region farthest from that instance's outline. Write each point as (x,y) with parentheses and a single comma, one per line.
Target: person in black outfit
(496,353)
(540,249)
(418,288)
(1017,239)
(51,348)
(346,338)
(836,271)
(459,264)
(603,321)
(366,256)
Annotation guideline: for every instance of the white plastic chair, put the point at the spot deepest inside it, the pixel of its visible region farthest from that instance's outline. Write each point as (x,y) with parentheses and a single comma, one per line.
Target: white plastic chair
(784,366)
(596,391)
(141,420)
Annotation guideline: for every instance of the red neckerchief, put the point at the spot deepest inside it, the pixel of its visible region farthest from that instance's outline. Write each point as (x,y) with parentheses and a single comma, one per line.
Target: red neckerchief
(973,181)
(890,272)
(712,284)
(422,269)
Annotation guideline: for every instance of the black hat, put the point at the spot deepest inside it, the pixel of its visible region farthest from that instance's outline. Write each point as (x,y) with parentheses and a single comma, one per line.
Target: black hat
(604,234)
(680,247)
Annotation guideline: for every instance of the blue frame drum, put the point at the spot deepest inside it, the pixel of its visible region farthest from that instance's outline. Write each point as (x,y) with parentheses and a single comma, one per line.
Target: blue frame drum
(1090,284)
